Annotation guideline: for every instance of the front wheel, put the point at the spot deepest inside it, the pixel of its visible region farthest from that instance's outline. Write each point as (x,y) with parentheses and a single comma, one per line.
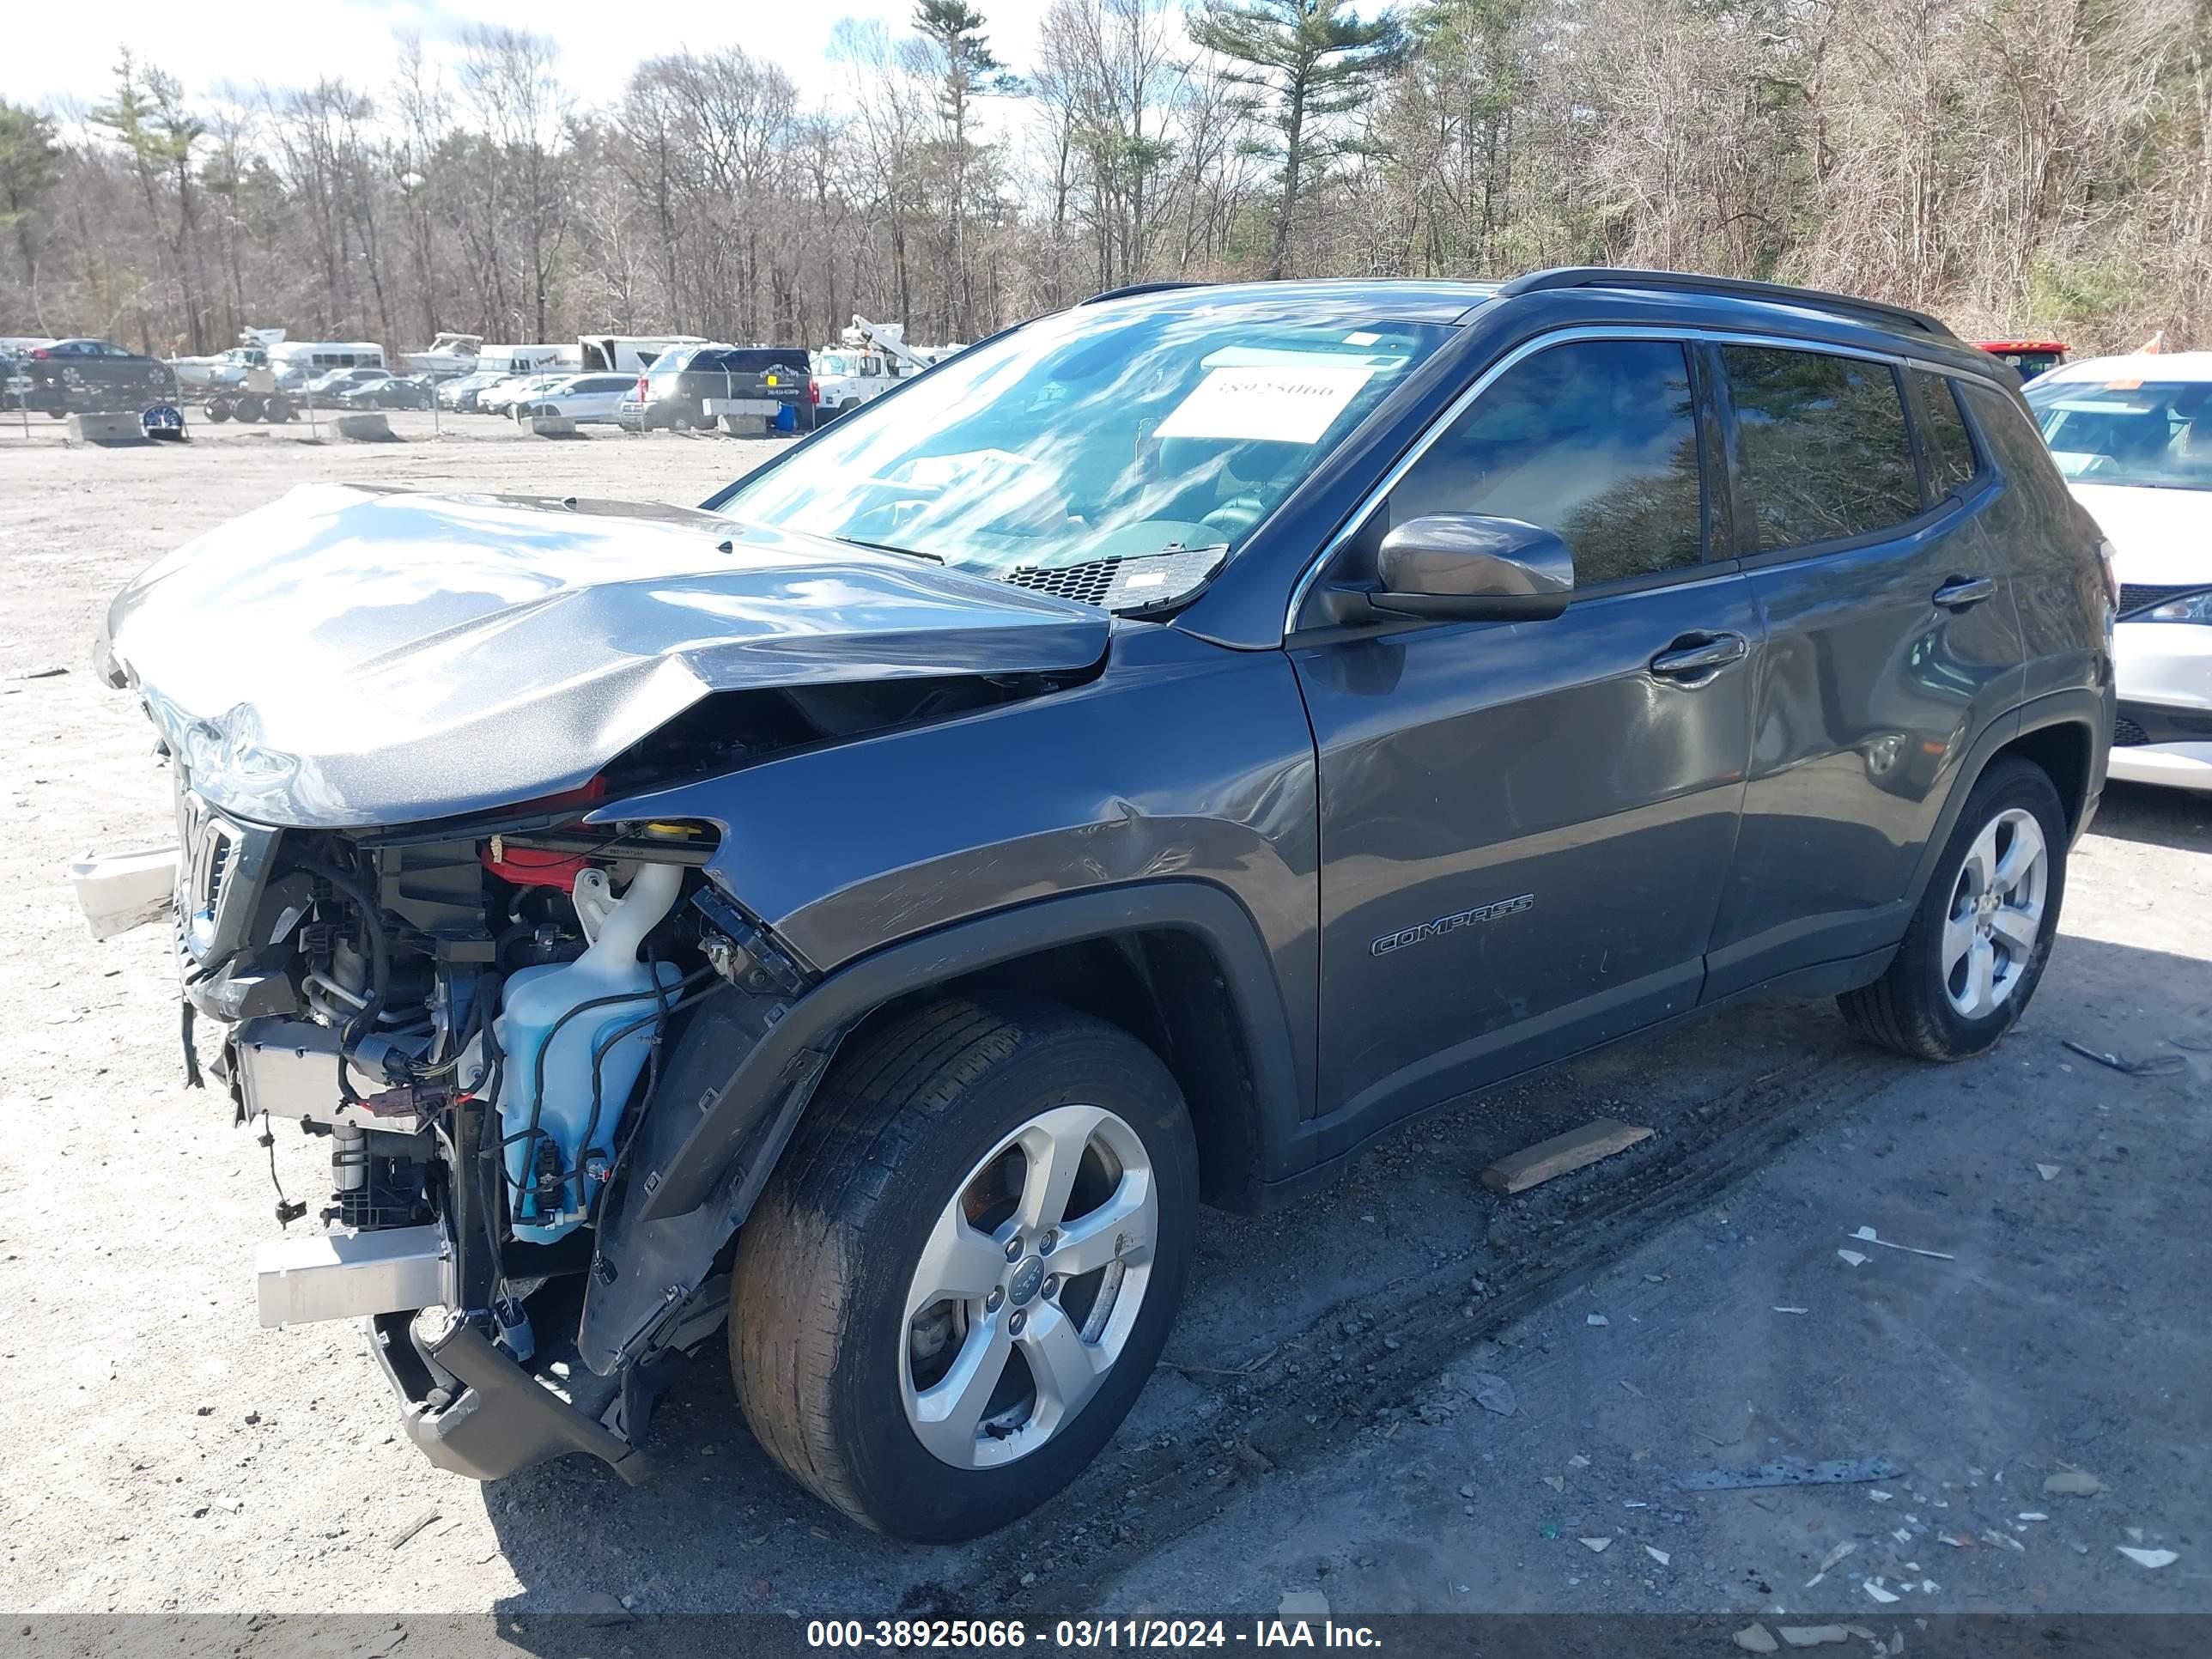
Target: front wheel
(966,1266)
(1977,945)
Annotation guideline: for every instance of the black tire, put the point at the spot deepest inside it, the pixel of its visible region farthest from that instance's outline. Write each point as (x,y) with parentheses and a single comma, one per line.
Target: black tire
(218,410)
(1908,1009)
(818,1332)
(276,410)
(248,410)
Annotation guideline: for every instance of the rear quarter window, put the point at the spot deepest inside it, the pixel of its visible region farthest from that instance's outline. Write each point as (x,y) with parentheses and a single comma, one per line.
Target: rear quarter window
(1952,463)
(1824,445)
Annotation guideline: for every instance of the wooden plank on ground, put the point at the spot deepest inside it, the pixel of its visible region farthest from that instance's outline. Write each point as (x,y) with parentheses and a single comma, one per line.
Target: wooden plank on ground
(1600,1138)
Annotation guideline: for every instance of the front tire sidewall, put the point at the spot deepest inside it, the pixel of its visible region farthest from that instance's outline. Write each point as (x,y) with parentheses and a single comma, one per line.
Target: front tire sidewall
(903,1488)
(2020,786)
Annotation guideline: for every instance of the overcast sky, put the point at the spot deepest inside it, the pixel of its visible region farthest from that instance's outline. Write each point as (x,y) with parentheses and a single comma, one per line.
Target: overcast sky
(51,54)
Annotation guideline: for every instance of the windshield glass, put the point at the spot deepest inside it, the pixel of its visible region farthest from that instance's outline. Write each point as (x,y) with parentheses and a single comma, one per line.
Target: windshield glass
(2152,434)
(1095,434)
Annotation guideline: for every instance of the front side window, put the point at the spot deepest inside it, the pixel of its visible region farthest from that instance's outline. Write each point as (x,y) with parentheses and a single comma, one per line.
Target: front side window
(1950,446)
(1596,440)
(1824,444)
(1107,432)
(2155,434)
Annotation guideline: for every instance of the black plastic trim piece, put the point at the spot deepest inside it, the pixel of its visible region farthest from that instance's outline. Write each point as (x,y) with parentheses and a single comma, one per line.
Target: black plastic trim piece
(503,1419)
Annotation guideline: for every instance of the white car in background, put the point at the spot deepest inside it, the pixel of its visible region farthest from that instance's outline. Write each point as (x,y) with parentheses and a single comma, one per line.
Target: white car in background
(2133,437)
(582,398)
(502,398)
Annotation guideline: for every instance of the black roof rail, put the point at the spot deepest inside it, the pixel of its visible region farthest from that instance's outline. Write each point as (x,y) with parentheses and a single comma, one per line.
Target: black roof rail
(1127,289)
(1537,282)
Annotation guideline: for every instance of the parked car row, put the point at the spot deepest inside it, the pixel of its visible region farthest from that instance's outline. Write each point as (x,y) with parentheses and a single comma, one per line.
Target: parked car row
(87,377)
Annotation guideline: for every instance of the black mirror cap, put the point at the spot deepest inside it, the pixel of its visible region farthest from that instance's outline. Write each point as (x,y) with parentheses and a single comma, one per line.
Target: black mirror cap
(1466,566)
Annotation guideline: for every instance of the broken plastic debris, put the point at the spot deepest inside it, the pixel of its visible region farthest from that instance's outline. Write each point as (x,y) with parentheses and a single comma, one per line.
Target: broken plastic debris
(1578,1461)
(2147,1557)
(1812,1635)
(2048,1171)
(2156,1066)
(1789,1472)
(1755,1638)
(1596,1546)
(2073,1483)
(1836,1555)
(1597,1319)
(1881,1497)
(1660,1556)
(1796,1311)
(1853,1258)
(1867,1236)
(2031,1514)
(1877,1591)
(1555,1482)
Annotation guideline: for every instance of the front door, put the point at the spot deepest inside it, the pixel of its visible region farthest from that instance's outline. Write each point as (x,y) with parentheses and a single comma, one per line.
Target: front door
(1526,827)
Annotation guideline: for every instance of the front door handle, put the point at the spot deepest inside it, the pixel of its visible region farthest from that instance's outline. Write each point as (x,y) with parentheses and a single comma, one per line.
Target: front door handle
(1963,590)
(1695,656)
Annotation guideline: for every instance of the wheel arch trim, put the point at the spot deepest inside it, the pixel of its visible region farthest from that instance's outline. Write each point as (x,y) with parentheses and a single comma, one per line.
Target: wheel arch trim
(2080,706)
(817,1022)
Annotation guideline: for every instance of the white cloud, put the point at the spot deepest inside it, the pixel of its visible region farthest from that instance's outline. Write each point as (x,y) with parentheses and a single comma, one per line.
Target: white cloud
(54,55)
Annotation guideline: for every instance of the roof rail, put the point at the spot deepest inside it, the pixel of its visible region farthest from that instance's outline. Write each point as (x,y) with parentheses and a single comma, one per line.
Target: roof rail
(1125,291)
(1740,288)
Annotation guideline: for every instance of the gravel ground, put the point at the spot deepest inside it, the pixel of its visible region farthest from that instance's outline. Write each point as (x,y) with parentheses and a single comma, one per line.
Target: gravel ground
(1316,1429)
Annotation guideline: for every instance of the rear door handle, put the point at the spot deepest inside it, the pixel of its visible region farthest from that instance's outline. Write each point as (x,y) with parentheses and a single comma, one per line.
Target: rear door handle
(1962,591)
(1696,655)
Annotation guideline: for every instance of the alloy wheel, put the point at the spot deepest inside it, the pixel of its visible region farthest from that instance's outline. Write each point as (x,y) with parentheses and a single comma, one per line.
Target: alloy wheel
(1027,1287)
(1996,914)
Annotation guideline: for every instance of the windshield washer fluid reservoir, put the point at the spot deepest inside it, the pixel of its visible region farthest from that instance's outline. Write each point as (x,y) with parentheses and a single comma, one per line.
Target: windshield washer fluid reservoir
(571,997)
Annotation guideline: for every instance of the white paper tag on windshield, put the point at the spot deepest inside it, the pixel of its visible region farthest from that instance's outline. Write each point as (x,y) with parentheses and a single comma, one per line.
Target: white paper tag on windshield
(1275,403)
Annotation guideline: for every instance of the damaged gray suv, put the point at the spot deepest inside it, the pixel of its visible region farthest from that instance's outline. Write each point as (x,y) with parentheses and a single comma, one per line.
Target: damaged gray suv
(1136,763)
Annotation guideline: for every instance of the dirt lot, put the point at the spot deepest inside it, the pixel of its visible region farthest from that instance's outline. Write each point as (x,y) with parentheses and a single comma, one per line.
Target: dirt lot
(1681,1307)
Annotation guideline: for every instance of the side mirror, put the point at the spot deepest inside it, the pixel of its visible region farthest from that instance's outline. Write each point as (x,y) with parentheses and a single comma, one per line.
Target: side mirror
(1467,568)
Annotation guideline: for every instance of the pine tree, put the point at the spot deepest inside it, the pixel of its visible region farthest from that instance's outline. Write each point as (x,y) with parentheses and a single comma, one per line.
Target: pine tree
(1304,61)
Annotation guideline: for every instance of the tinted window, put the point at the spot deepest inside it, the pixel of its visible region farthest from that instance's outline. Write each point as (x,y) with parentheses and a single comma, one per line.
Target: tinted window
(1824,444)
(760,359)
(1596,441)
(1949,445)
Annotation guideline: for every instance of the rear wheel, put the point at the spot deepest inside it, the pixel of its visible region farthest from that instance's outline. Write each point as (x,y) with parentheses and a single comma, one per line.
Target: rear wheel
(966,1266)
(277,410)
(1977,945)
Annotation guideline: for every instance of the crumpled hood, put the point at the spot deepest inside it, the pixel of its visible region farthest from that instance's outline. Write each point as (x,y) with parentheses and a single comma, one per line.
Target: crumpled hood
(350,656)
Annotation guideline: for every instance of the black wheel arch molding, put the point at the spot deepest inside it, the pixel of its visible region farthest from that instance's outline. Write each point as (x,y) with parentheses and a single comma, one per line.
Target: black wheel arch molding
(741,1075)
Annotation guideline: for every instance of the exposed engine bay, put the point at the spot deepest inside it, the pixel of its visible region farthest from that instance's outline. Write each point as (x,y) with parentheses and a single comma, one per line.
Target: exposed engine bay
(472,1026)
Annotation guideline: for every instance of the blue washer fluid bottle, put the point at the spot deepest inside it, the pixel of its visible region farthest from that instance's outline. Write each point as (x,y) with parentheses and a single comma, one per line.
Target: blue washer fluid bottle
(536,998)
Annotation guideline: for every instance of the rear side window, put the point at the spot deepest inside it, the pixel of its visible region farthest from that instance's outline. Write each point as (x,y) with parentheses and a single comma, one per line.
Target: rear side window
(1596,441)
(1824,445)
(1950,446)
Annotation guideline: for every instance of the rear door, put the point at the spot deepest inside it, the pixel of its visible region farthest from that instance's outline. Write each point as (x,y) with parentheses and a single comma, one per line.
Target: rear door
(1891,640)
(1526,827)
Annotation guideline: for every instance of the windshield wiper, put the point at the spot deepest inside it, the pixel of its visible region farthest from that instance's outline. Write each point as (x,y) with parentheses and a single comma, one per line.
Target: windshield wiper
(886,547)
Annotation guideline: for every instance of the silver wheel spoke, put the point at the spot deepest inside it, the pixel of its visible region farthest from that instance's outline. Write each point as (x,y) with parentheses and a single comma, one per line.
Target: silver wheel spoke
(1067,1369)
(2015,930)
(1053,1144)
(1982,859)
(947,1416)
(2022,856)
(1123,1229)
(958,1264)
(1958,940)
(1981,975)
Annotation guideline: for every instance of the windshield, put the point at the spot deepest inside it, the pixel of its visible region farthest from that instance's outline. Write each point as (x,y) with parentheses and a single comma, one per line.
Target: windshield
(1095,434)
(2155,434)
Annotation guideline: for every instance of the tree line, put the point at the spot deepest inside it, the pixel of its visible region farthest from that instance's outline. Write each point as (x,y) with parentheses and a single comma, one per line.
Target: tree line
(2019,166)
